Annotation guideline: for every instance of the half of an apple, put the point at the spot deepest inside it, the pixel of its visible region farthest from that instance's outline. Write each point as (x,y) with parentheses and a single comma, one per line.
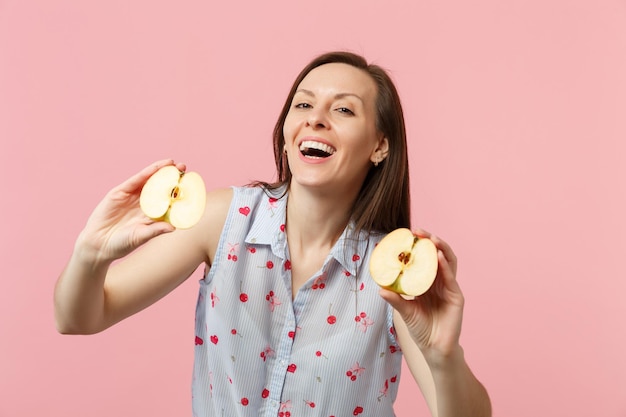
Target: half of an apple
(404,263)
(175,197)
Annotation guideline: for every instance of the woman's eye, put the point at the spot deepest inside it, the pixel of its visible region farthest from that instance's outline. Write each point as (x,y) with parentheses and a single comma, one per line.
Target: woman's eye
(345,110)
(302,106)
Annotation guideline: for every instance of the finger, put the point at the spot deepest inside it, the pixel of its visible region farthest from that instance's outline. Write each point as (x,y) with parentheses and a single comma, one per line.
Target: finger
(447,272)
(419,232)
(401,305)
(134,183)
(440,244)
(447,251)
(150,231)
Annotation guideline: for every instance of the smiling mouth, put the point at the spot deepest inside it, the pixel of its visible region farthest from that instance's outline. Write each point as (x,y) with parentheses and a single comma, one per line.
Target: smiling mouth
(316,150)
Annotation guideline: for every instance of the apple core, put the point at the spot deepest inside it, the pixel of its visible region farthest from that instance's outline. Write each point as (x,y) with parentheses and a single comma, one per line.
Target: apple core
(404,263)
(404,257)
(175,197)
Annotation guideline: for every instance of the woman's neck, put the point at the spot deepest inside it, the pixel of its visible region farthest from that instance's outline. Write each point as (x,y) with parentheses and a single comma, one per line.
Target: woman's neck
(315,220)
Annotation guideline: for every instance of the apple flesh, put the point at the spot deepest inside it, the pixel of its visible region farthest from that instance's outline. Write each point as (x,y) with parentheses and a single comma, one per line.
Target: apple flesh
(178,198)
(404,263)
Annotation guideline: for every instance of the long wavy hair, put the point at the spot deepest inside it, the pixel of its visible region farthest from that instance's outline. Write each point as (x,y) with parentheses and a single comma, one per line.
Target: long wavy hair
(383,203)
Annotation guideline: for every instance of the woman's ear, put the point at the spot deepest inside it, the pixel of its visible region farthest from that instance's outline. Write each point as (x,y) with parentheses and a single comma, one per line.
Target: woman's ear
(380,152)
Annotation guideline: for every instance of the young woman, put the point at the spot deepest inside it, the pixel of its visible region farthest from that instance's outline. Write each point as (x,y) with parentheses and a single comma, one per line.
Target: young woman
(288,319)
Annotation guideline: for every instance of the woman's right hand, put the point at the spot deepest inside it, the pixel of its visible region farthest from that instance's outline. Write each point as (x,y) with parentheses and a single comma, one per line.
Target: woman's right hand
(117,226)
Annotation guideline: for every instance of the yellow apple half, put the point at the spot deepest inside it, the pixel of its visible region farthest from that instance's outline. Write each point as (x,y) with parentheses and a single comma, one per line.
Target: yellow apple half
(175,197)
(404,263)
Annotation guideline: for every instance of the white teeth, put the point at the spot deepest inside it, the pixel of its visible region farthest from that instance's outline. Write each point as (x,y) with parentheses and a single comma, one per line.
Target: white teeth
(311,144)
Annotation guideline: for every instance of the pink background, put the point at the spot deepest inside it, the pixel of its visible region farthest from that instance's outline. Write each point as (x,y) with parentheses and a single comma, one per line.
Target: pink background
(516,113)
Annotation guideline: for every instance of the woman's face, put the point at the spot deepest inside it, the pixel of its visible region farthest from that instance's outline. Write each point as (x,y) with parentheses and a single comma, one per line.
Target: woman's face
(330,131)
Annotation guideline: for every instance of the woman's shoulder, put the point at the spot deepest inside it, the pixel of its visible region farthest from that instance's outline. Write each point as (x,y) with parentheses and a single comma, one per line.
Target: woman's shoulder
(219,197)
(222,198)
(219,204)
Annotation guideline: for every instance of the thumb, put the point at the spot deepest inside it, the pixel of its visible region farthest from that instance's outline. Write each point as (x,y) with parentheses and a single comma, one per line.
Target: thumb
(400,304)
(144,234)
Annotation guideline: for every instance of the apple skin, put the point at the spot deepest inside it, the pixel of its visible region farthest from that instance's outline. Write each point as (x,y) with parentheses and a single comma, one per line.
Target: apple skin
(404,263)
(176,197)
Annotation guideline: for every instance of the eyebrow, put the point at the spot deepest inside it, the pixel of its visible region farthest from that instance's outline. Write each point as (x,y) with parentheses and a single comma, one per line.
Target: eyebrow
(337,96)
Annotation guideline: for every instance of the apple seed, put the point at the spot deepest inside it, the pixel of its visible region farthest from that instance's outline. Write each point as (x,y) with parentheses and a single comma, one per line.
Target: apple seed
(404,257)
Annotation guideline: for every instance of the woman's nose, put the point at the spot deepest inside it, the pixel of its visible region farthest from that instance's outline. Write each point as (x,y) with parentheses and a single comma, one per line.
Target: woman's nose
(316,120)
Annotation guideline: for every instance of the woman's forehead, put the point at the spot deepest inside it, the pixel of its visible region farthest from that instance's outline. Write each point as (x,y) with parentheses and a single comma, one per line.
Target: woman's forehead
(339,78)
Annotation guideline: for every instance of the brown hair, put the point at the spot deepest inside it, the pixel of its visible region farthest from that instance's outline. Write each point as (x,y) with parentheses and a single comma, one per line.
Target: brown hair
(383,203)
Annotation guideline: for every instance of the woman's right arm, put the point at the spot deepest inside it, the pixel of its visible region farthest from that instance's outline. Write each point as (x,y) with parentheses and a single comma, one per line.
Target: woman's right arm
(98,288)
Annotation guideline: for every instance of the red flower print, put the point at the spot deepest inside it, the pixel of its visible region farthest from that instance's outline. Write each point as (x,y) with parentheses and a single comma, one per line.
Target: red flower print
(243,297)
(214,299)
(331,319)
(199,341)
(355,371)
(285,406)
(272,204)
(244,401)
(355,258)
(394,348)
(320,354)
(292,333)
(361,287)
(383,390)
(233,250)
(358,410)
(287,265)
(265,393)
(268,265)
(273,300)
(363,321)
(268,352)
(319,283)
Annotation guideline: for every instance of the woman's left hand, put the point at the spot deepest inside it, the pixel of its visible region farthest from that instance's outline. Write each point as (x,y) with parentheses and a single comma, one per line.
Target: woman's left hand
(434,319)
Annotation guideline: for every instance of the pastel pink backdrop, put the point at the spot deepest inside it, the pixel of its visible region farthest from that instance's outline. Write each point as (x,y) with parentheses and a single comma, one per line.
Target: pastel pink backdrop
(516,118)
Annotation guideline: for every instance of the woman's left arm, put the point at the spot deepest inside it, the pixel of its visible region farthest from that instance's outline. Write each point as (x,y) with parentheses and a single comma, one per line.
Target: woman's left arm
(428,330)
